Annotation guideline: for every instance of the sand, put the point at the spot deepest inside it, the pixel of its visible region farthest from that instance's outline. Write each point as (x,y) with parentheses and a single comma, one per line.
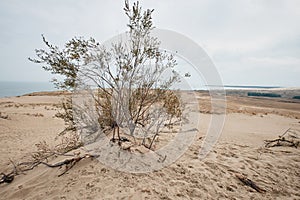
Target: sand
(27,120)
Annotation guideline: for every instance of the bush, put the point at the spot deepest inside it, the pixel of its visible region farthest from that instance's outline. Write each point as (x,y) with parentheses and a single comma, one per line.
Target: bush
(131,91)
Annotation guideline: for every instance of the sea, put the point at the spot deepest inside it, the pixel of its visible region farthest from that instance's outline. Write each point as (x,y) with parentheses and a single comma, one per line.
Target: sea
(11,88)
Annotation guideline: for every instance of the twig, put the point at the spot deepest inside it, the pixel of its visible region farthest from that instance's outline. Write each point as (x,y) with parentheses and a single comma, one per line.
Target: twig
(249,183)
(33,165)
(15,167)
(285,132)
(65,162)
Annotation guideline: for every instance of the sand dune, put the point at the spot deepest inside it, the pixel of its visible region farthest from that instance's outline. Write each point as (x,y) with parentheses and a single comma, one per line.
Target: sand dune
(240,150)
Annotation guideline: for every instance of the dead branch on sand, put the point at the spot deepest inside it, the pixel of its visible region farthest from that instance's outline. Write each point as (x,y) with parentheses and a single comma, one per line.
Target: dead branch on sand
(19,168)
(288,138)
(44,152)
(249,183)
(69,163)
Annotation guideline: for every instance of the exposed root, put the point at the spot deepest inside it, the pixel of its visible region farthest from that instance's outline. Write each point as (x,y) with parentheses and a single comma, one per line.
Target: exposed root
(43,153)
(27,166)
(69,163)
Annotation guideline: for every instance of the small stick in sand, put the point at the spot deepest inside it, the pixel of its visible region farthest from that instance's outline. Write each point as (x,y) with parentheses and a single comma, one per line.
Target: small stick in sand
(249,183)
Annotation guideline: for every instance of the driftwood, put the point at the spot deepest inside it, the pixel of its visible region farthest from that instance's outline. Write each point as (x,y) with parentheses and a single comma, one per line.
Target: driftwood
(249,183)
(286,139)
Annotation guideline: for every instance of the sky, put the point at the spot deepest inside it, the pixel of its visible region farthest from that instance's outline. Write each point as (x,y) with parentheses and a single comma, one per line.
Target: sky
(251,42)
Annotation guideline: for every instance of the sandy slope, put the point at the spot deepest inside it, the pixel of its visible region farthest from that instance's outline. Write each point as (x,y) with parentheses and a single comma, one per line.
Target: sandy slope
(239,150)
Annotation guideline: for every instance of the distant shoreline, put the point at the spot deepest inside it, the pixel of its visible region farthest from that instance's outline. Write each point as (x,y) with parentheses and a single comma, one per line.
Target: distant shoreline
(14,88)
(246,86)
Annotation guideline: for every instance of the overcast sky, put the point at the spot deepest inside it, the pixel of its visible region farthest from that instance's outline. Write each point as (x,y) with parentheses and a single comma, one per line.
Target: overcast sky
(251,42)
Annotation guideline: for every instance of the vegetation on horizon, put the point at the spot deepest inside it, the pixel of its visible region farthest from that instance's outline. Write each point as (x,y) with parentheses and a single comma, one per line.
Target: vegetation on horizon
(259,94)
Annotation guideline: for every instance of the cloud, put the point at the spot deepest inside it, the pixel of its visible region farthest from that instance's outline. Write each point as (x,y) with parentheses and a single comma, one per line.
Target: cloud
(249,34)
